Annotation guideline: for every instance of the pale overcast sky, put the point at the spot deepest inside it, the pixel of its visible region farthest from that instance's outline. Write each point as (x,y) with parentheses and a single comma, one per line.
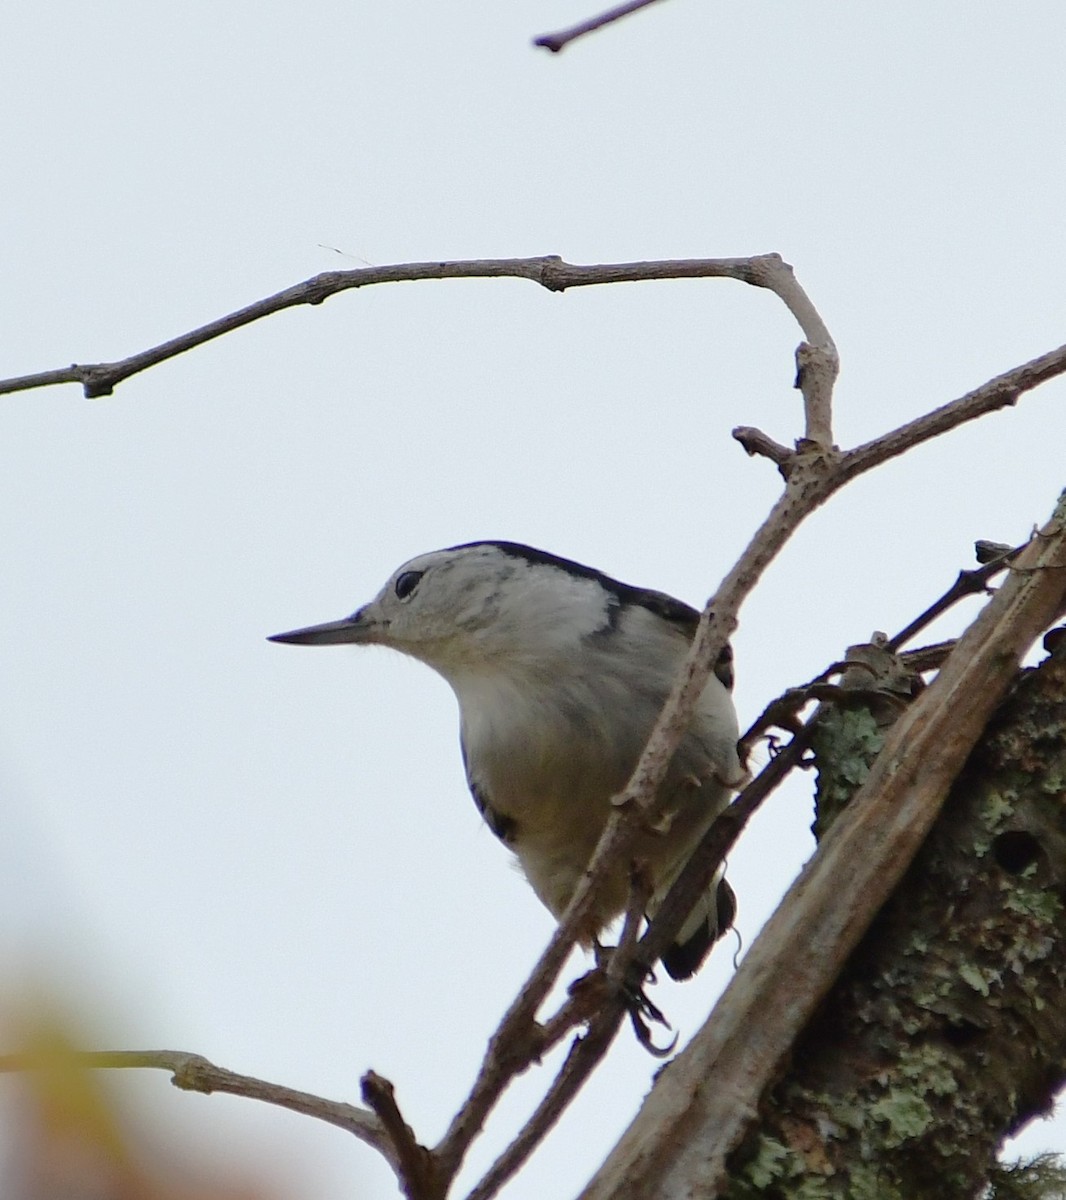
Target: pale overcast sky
(269,855)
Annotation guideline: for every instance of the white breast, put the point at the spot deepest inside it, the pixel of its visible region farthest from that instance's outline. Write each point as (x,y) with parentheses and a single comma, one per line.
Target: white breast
(549,741)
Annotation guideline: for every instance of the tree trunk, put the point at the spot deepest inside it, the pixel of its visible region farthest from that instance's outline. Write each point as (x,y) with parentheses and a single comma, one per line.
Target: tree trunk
(947,1030)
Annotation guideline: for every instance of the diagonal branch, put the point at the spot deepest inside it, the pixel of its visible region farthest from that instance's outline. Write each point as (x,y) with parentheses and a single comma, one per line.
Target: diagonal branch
(1001,392)
(967,583)
(584,1055)
(563,37)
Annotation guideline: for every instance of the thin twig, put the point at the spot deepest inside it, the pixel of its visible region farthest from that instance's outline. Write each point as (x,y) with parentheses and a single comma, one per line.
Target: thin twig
(968,583)
(584,1055)
(557,41)
(194,1073)
(756,442)
(713,848)
(415,1169)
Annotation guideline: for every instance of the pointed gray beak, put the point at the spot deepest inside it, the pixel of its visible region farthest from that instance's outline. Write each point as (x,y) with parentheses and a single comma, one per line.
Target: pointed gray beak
(349,629)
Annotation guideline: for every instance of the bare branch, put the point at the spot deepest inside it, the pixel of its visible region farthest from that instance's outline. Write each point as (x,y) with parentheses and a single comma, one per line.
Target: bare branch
(756,442)
(830,906)
(1000,392)
(968,583)
(783,711)
(816,373)
(194,1073)
(415,1167)
(558,41)
(100,379)
(711,852)
(585,1054)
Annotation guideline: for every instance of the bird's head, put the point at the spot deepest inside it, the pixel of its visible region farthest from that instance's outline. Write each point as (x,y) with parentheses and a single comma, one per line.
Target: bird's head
(473,605)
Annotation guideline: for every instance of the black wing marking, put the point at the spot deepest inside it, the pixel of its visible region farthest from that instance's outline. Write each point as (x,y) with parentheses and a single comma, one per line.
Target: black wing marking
(503,826)
(677,612)
(723,668)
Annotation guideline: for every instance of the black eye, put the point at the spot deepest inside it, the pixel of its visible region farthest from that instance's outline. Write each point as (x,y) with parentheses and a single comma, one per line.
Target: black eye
(407,582)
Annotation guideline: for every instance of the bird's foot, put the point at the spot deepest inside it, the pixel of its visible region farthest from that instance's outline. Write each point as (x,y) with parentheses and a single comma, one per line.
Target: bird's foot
(643,1012)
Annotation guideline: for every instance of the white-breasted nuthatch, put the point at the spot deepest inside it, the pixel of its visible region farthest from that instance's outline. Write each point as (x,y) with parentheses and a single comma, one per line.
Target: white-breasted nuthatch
(560,672)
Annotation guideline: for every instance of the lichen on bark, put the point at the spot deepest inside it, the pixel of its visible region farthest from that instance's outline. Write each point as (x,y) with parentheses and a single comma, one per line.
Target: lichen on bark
(947,1030)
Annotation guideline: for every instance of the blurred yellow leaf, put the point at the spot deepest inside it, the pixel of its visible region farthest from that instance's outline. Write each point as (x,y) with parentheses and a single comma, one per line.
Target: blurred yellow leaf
(71,1141)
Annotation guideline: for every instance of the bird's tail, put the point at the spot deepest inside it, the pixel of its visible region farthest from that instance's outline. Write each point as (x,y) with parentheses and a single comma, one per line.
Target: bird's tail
(708,921)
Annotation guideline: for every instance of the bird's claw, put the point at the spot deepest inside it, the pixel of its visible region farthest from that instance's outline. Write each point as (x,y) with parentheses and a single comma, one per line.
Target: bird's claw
(643,1014)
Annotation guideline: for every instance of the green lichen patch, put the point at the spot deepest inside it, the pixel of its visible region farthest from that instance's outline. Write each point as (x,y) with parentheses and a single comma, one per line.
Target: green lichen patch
(906,1114)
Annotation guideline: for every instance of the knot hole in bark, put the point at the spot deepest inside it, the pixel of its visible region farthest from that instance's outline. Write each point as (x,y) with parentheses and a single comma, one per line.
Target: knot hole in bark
(1016,850)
